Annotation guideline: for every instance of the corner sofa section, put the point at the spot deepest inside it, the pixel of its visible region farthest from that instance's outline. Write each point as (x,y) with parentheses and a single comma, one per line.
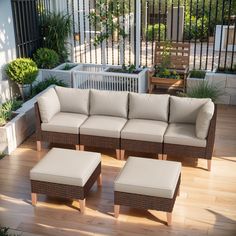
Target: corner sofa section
(159,124)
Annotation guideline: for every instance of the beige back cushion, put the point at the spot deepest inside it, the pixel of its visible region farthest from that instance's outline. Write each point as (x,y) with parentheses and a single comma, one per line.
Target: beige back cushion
(109,103)
(185,110)
(73,100)
(148,106)
(49,105)
(203,121)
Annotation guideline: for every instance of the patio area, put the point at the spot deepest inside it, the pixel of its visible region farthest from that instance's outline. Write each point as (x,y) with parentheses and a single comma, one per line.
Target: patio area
(206,205)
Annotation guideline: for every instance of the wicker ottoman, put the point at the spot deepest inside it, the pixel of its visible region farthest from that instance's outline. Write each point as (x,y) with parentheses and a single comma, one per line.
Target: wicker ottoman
(66,173)
(148,184)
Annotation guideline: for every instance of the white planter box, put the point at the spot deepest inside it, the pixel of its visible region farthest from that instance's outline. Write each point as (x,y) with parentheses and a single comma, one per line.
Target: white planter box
(91,76)
(192,82)
(227,83)
(20,127)
(59,73)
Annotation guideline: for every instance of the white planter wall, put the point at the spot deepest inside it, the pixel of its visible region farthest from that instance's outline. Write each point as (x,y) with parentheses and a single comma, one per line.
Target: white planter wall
(227,83)
(20,127)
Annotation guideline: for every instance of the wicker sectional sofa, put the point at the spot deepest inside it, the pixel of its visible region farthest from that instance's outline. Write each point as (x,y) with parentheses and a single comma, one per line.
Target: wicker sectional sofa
(158,124)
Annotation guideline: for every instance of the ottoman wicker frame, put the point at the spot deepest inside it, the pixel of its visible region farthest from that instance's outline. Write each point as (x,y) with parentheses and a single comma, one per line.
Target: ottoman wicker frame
(146,202)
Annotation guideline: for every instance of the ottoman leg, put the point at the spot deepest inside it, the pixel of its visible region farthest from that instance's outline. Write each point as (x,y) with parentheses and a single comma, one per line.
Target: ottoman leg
(118,154)
(81,147)
(99,180)
(160,156)
(77,147)
(169,218)
(39,146)
(34,199)
(122,154)
(164,157)
(116,210)
(82,205)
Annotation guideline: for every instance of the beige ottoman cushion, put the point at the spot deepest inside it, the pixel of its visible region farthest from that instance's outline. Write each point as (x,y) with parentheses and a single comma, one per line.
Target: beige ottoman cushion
(148,177)
(64,166)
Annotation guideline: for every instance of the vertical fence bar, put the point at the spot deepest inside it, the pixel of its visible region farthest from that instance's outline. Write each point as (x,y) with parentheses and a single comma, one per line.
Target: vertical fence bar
(195,42)
(123,13)
(213,51)
(165,18)
(227,39)
(159,19)
(112,36)
(208,34)
(85,36)
(90,46)
(185,6)
(137,40)
(146,33)
(221,32)
(178,21)
(172,11)
(118,24)
(79,31)
(73,27)
(106,3)
(190,22)
(141,27)
(153,23)
(129,33)
(95,22)
(203,10)
(232,56)
(101,46)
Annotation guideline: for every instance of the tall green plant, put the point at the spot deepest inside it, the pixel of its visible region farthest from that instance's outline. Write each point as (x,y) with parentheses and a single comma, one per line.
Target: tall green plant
(205,90)
(56,29)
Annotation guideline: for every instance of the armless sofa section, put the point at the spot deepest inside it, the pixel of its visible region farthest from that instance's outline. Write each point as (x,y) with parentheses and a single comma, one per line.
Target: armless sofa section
(151,123)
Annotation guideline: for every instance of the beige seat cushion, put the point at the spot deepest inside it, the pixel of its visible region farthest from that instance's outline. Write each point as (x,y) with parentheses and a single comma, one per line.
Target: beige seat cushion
(63,166)
(103,126)
(148,177)
(64,122)
(183,134)
(149,106)
(144,130)
(185,110)
(203,119)
(73,100)
(109,103)
(49,105)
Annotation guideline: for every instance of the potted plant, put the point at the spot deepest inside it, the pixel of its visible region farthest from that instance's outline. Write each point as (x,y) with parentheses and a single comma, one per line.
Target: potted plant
(46,58)
(162,76)
(56,28)
(23,71)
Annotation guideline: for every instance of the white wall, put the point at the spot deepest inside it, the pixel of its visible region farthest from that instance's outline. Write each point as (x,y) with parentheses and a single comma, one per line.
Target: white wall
(7,45)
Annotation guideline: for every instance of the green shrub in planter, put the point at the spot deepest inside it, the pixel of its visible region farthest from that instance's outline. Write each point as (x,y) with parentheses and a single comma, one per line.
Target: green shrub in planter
(22,71)
(46,58)
(46,83)
(200,74)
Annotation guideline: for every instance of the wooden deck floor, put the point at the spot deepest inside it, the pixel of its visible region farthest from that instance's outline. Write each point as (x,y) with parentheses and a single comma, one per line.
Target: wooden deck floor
(206,205)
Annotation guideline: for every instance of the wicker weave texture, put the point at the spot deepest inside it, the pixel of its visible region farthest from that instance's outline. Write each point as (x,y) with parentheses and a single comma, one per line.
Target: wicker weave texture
(64,190)
(146,202)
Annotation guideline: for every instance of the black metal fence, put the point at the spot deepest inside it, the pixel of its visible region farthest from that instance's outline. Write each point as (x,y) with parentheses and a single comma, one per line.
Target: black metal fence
(208,25)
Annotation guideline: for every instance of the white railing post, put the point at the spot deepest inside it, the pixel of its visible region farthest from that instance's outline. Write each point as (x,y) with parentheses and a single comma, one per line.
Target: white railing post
(138,32)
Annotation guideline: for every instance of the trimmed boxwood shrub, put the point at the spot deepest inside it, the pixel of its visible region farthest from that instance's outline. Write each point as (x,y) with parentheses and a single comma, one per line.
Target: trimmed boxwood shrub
(46,58)
(22,71)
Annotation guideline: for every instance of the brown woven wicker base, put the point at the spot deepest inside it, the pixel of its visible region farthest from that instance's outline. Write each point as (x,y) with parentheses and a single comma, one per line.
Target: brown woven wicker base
(141,146)
(146,202)
(64,190)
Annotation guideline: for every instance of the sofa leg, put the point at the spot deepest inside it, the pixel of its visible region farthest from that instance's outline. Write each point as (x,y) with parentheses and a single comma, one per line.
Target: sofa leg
(77,147)
(116,211)
(122,154)
(209,165)
(81,147)
(169,218)
(99,180)
(34,199)
(118,154)
(160,156)
(82,206)
(164,157)
(39,146)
